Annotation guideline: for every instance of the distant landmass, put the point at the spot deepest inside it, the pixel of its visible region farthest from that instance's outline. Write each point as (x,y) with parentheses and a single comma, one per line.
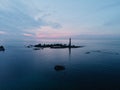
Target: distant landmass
(55,46)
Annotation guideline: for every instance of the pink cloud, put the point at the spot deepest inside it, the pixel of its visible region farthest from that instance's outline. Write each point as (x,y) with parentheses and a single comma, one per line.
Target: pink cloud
(2,32)
(48,32)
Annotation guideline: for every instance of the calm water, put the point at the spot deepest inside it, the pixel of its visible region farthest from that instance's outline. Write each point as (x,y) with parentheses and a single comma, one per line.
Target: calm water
(23,68)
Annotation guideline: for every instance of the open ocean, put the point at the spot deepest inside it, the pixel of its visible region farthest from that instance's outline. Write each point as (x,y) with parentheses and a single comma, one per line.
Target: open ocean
(93,67)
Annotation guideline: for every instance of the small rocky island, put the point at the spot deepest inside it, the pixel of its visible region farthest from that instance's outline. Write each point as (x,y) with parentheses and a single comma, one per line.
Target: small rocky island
(59,68)
(54,46)
(2,48)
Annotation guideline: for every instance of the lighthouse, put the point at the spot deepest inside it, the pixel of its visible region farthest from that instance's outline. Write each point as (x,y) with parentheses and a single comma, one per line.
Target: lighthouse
(69,42)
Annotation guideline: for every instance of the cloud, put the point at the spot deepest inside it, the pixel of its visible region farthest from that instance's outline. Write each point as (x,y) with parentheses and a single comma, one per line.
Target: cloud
(115,21)
(49,32)
(27,34)
(2,32)
(112,5)
(39,16)
(20,15)
(54,25)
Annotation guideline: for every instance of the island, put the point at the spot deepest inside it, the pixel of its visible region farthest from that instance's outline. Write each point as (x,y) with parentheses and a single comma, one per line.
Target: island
(59,68)
(2,48)
(54,46)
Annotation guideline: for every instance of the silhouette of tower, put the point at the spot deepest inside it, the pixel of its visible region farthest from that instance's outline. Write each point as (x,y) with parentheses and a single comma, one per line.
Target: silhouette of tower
(69,42)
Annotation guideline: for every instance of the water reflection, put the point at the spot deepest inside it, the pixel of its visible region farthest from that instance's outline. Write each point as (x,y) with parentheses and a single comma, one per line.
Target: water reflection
(69,54)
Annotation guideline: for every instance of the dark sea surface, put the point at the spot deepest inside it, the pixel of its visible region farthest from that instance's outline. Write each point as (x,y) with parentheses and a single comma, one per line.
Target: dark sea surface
(93,67)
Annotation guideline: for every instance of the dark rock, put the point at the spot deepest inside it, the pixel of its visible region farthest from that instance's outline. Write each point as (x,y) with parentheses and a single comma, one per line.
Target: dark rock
(116,53)
(59,68)
(36,48)
(30,46)
(2,48)
(87,53)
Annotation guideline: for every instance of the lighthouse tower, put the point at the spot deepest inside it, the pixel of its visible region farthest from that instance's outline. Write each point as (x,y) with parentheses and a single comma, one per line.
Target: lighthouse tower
(69,42)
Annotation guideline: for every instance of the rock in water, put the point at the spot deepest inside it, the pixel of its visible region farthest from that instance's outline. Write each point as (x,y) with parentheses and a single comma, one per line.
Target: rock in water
(87,53)
(2,48)
(59,68)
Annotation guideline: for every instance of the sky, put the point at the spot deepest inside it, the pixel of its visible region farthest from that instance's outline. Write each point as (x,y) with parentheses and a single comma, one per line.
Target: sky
(36,19)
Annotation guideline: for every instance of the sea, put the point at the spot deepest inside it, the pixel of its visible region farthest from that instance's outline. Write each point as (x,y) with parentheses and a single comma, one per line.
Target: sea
(96,66)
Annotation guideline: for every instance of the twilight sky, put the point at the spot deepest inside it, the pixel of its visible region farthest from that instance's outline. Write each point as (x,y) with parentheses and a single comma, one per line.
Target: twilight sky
(59,18)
